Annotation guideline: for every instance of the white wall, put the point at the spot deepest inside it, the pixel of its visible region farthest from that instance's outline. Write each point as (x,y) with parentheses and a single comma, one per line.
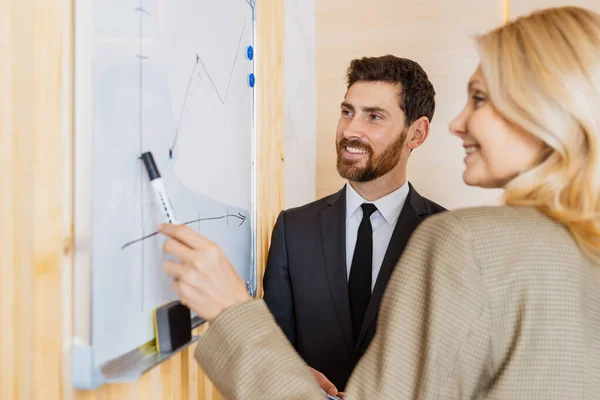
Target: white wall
(300,102)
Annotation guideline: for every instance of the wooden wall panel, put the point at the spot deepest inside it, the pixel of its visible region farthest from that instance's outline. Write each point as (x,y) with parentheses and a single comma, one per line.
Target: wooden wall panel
(36,211)
(35,225)
(270,123)
(437,34)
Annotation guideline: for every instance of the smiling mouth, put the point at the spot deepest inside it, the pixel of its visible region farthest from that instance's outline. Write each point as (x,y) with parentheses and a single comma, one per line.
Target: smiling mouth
(356,150)
(471,149)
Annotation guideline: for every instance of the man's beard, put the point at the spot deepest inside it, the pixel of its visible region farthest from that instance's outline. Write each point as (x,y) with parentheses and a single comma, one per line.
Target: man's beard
(376,166)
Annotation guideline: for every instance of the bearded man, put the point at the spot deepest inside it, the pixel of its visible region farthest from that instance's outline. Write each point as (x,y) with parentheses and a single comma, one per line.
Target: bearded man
(330,260)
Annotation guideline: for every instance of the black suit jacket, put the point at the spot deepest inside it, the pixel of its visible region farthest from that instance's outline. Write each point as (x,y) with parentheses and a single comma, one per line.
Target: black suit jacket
(306,287)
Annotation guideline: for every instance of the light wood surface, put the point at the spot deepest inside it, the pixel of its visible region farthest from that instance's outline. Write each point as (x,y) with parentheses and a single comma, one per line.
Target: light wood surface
(270,124)
(36,210)
(35,205)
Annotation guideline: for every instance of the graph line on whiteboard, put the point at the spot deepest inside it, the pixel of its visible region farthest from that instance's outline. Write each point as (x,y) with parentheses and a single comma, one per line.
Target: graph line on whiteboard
(187,92)
(239,216)
(222,93)
(222,98)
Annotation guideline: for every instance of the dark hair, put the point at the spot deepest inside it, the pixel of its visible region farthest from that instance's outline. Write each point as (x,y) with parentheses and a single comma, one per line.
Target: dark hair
(417,95)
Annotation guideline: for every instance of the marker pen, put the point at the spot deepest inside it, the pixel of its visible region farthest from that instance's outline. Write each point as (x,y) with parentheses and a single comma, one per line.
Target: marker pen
(158,185)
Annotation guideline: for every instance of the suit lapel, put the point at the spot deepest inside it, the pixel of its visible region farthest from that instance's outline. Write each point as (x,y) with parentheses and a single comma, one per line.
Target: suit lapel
(409,219)
(333,235)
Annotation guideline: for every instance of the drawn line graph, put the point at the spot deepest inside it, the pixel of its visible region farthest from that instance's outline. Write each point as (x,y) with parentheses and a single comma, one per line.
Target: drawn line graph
(222,93)
(187,92)
(222,97)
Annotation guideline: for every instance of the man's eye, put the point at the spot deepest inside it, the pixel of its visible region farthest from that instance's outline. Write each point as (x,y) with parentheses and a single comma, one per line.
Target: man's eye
(375,117)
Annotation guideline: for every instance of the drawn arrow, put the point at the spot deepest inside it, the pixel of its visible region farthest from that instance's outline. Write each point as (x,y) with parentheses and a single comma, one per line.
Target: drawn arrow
(239,216)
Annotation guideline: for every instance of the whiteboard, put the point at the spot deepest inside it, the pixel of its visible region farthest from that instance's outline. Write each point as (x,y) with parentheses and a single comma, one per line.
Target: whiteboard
(174,78)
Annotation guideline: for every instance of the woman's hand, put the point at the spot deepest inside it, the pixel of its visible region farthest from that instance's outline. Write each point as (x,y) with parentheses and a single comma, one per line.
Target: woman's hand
(204,278)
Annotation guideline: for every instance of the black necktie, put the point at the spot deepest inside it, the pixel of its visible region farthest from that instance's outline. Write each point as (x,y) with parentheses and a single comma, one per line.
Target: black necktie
(359,283)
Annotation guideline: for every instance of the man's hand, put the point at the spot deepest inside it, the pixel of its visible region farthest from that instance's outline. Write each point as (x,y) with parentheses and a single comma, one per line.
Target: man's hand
(204,278)
(324,383)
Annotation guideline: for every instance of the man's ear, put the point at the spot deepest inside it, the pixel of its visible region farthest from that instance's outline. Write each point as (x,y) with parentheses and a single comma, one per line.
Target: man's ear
(417,133)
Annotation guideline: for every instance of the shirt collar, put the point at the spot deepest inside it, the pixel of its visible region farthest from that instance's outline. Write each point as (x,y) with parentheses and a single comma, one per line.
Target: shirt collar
(353,200)
(389,205)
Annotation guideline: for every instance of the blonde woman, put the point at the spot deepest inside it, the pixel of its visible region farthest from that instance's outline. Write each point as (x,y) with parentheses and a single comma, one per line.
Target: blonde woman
(496,302)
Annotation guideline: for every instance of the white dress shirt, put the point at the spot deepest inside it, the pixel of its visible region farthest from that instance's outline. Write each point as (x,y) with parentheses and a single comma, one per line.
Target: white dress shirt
(383,222)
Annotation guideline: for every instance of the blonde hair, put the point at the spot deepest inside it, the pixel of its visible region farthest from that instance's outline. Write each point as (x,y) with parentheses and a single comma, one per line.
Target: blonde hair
(543,76)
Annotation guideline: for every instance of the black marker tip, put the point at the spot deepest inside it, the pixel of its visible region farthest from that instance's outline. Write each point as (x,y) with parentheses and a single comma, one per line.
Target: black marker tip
(150,166)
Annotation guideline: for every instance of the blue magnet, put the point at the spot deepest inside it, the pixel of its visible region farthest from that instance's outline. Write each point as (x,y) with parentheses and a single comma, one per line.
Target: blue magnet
(251,80)
(250,52)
